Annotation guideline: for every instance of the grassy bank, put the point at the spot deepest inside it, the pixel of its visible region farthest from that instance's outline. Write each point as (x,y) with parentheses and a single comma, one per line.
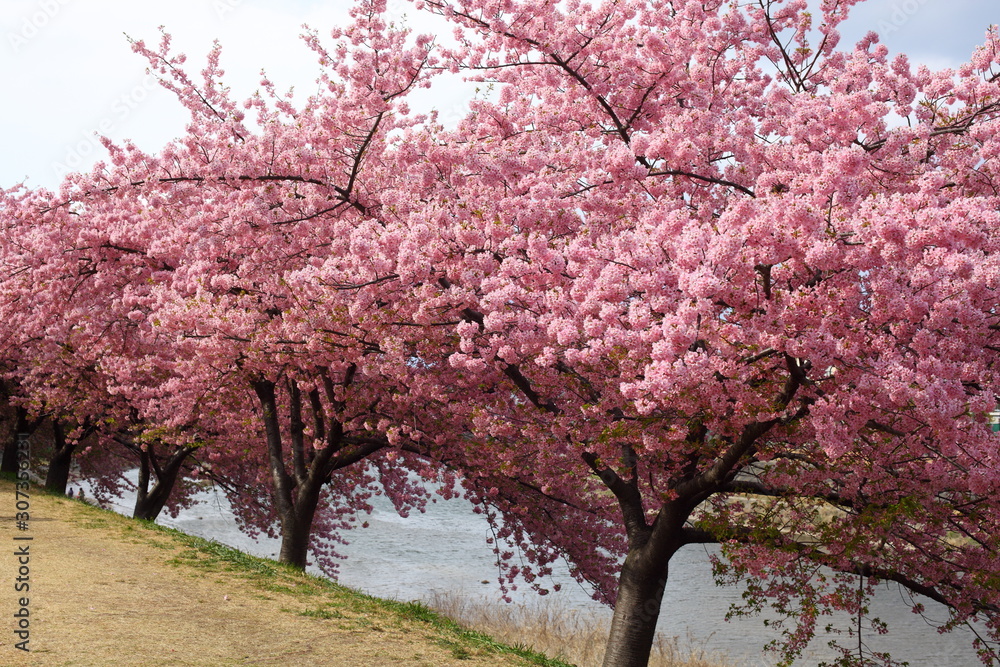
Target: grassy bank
(107,589)
(323,599)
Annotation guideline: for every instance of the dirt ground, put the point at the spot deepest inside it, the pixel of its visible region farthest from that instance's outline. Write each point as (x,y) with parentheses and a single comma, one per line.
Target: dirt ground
(108,591)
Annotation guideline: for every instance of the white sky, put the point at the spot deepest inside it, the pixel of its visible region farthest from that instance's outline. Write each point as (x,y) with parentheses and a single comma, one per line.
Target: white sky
(66,69)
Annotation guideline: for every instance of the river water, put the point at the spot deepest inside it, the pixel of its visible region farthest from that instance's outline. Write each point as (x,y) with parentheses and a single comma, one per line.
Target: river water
(444,552)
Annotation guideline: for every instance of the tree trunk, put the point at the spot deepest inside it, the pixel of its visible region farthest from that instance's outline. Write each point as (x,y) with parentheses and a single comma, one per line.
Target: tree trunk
(62,459)
(149,502)
(296,496)
(22,425)
(9,463)
(295,499)
(640,591)
(296,528)
(644,573)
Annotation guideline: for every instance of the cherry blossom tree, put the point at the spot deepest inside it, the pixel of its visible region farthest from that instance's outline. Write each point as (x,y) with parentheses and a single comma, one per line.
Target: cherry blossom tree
(745,278)
(242,259)
(64,325)
(45,379)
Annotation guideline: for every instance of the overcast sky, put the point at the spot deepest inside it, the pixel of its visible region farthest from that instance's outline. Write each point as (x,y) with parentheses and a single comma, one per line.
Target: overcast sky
(66,68)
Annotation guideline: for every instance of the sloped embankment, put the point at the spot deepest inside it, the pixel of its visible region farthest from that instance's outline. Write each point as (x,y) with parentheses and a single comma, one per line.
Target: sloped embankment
(105,589)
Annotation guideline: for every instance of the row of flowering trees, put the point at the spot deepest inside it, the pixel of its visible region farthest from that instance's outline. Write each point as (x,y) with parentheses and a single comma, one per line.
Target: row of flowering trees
(693,274)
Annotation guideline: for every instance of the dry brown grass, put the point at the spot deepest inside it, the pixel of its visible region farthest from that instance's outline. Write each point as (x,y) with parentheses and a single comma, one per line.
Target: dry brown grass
(560,633)
(108,590)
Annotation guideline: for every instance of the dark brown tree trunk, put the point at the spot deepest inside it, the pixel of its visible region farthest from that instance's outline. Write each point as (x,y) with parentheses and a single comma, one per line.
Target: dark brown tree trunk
(9,462)
(644,573)
(62,459)
(149,502)
(651,546)
(296,528)
(640,592)
(296,496)
(22,425)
